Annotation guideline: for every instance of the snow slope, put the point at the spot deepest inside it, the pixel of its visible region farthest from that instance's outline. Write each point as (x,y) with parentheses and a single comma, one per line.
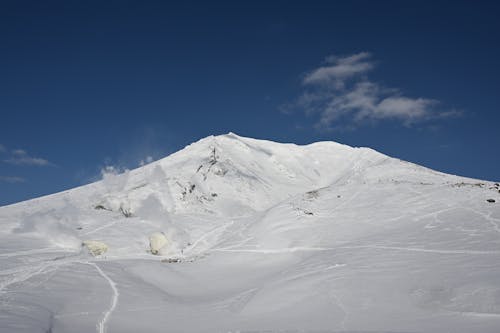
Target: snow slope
(262,236)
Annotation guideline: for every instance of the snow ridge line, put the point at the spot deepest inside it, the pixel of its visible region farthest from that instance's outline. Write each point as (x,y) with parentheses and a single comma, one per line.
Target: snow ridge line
(101,326)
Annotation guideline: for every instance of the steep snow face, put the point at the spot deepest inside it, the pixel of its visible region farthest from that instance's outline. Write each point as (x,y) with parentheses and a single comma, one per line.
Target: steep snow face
(258,235)
(217,178)
(227,175)
(233,176)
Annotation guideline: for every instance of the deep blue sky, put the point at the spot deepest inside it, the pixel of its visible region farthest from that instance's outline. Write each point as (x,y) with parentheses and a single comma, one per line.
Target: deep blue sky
(86,84)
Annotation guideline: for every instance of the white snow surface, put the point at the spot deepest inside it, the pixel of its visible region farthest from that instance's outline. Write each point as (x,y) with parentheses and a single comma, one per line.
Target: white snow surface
(262,237)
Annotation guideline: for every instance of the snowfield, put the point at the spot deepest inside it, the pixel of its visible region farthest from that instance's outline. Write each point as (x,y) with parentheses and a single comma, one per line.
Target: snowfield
(256,236)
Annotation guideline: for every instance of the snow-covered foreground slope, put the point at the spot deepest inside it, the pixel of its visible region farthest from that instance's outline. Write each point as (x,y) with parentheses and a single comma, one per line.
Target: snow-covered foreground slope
(261,236)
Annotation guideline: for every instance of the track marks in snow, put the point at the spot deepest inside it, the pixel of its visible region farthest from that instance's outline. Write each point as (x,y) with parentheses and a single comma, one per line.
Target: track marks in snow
(214,232)
(378,247)
(105,226)
(102,325)
(491,220)
(241,300)
(413,249)
(24,273)
(28,252)
(480,314)
(45,267)
(275,251)
(342,307)
(433,214)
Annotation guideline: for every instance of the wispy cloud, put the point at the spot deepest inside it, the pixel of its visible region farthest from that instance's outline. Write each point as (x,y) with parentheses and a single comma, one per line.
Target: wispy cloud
(2,148)
(341,93)
(21,157)
(12,179)
(338,70)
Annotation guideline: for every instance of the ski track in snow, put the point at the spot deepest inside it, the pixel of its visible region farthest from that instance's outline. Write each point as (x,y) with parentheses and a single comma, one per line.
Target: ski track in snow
(102,325)
(27,252)
(107,225)
(480,314)
(342,307)
(264,187)
(21,275)
(208,234)
(413,249)
(26,273)
(381,247)
(491,220)
(274,251)
(433,214)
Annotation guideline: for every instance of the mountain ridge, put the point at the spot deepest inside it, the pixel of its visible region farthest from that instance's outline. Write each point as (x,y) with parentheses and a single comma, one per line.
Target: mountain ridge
(256,235)
(210,141)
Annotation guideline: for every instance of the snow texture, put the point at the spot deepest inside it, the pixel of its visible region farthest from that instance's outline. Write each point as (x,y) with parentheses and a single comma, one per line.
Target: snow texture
(257,236)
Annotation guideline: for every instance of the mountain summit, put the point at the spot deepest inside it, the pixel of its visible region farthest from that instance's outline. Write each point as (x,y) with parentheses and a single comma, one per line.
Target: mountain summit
(238,234)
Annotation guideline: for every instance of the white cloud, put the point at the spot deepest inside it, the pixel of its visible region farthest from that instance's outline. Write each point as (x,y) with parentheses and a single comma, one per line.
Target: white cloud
(340,92)
(404,108)
(21,157)
(339,69)
(19,152)
(12,179)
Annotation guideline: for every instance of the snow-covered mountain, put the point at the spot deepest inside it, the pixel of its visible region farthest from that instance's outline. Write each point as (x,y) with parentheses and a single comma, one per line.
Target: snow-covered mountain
(260,236)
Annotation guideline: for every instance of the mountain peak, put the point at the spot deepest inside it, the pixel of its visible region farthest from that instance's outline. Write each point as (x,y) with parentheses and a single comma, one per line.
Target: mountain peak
(269,227)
